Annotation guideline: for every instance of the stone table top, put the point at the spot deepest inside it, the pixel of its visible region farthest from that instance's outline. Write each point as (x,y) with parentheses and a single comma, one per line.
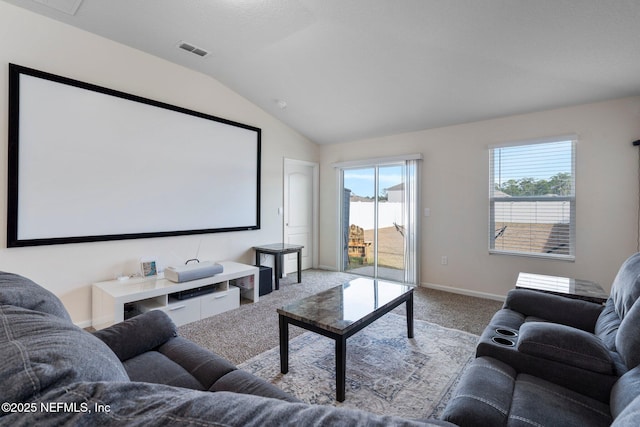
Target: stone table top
(582,289)
(278,248)
(344,307)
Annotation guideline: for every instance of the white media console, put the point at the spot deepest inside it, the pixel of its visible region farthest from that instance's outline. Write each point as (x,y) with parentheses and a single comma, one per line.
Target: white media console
(116,300)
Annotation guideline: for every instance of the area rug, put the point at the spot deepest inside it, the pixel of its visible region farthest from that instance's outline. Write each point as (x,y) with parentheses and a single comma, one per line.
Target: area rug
(387,373)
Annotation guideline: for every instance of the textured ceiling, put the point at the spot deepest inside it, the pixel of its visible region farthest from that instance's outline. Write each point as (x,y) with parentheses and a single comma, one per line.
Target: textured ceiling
(354,69)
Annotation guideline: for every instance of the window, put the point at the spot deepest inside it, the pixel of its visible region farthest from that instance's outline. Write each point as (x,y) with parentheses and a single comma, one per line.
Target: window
(532,198)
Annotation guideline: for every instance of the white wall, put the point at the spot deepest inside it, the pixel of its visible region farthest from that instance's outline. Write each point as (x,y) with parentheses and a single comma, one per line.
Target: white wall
(389,213)
(455,187)
(454,176)
(68,270)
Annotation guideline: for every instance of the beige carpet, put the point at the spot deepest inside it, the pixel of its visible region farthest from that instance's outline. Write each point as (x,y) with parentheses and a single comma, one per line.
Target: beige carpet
(387,373)
(241,334)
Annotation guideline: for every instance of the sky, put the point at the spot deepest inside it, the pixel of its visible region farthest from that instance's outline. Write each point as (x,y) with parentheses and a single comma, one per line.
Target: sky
(361,181)
(539,161)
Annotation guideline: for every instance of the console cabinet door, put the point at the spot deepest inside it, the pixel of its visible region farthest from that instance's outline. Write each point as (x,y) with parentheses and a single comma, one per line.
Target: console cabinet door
(219,302)
(183,312)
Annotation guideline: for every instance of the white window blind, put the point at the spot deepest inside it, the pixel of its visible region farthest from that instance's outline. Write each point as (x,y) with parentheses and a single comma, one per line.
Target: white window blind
(532,198)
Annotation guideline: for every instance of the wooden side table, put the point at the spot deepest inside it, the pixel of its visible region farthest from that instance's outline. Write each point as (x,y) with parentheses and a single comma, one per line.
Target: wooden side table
(563,286)
(278,250)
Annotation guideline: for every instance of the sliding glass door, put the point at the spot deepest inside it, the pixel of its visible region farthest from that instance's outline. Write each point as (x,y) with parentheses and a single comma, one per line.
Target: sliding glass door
(379,221)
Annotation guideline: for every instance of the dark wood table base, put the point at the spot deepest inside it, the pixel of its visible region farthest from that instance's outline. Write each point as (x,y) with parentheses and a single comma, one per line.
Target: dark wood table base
(339,338)
(278,250)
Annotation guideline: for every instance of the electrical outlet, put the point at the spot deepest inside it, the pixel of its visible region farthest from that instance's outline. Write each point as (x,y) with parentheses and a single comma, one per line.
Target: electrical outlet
(444,260)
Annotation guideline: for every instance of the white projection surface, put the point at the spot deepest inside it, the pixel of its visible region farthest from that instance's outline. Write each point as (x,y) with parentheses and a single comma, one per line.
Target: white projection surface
(93,164)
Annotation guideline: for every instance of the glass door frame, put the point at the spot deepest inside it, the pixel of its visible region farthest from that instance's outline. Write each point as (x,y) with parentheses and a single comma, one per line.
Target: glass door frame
(411,194)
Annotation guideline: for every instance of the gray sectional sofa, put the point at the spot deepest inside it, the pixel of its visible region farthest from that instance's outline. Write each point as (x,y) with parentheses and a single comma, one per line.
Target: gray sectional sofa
(571,363)
(134,373)
(547,360)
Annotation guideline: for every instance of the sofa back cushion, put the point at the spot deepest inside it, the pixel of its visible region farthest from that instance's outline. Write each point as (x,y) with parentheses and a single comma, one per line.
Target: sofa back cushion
(567,345)
(628,417)
(41,352)
(628,337)
(138,334)
(625,289)
(607,325)
(144,404)
(624,391)
(22,292)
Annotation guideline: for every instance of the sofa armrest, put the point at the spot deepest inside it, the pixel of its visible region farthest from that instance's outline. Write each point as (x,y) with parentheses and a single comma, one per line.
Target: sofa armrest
(554,308)
(139,334)
(566,345)
(483,396)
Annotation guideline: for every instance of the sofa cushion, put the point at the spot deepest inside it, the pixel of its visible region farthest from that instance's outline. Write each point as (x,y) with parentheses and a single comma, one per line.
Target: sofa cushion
(566,345)
(240,381)
(22,292)
(41,351)
(490,393)
(483,395)
(630,416)
(205,366)
(607,325)
(143,404)
(624,391)
(139,334)
(537,402)
(507,318)
(628,337)
(625,289)
(554,308)
(154,367)
(594,384)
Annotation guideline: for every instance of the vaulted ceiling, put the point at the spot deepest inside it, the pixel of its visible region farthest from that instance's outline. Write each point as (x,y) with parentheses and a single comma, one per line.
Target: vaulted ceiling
(343,70)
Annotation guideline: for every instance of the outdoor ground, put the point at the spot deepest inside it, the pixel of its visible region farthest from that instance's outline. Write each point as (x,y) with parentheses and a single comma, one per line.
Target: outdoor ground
(390,248)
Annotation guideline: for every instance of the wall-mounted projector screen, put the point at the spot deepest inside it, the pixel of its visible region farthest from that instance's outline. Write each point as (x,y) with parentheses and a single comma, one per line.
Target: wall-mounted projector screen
(87,163)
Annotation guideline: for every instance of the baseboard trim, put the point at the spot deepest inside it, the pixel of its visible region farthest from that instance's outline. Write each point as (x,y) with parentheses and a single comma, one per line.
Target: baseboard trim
(443,288)
(84,324)
(468,292)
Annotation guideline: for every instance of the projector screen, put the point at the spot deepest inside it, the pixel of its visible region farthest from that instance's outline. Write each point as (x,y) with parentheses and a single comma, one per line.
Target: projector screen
(87,163)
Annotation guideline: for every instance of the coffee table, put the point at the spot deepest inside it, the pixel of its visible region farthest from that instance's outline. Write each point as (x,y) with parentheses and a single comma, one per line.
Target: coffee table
(340,312)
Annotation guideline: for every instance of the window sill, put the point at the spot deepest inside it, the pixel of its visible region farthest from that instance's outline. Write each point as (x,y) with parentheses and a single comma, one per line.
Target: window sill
(554,257)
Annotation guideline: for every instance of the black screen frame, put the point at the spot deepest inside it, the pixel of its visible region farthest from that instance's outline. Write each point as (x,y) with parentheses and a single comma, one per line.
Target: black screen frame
(13,195)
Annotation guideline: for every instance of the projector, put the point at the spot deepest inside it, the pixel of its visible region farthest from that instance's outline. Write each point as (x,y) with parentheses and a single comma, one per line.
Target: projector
(189,272)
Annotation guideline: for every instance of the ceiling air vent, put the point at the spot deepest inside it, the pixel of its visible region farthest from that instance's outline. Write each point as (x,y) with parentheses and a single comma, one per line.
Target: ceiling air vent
(69,7)
(193,49)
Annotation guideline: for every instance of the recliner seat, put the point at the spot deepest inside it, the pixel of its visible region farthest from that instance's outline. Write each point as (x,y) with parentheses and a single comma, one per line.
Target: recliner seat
(492,393)
(577,344)
(547,360)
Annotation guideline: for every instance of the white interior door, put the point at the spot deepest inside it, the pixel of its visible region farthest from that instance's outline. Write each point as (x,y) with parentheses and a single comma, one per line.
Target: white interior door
(300,211)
